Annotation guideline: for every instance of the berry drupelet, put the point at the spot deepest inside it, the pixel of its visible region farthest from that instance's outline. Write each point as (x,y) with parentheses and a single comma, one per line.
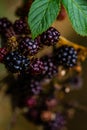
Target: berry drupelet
(3,52)
(21,26)
(66,56)
(14,62)
(50,37)
(28,46)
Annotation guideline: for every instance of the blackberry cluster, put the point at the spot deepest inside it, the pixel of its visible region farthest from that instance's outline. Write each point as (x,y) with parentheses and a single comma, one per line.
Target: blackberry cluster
(28,46)
(21,26)
(15,62)
(66,56)
(50,37)
(34,87)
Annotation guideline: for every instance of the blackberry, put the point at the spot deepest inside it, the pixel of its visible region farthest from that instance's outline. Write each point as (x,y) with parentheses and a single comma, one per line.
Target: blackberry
(4,24)
(21,26)
(66,56)
(35,86)
(28,46)
(50,67)
(15,62)
(57,124)
(50,37)
(3,52)
(36,66)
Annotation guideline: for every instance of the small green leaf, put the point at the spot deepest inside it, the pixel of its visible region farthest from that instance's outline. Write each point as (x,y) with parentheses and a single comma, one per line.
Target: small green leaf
(77,11)
(42,14)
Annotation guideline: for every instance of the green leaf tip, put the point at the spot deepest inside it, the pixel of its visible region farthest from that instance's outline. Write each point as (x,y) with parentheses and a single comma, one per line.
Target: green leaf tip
(42,14)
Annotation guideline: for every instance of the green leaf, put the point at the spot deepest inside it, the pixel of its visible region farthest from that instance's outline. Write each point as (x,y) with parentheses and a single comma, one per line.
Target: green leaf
(42,14)
(77,11)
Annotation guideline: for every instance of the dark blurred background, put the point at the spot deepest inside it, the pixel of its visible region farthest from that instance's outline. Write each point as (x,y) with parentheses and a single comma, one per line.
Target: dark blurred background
(79,122)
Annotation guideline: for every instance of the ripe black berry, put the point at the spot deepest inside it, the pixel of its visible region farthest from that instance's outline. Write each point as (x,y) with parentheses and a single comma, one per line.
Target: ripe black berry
(21,26)
(4,24)
(50,37)
(15,62)
(35,86)
(66,56)
(3,52)
(28,46)
(36,66)
(50,67)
